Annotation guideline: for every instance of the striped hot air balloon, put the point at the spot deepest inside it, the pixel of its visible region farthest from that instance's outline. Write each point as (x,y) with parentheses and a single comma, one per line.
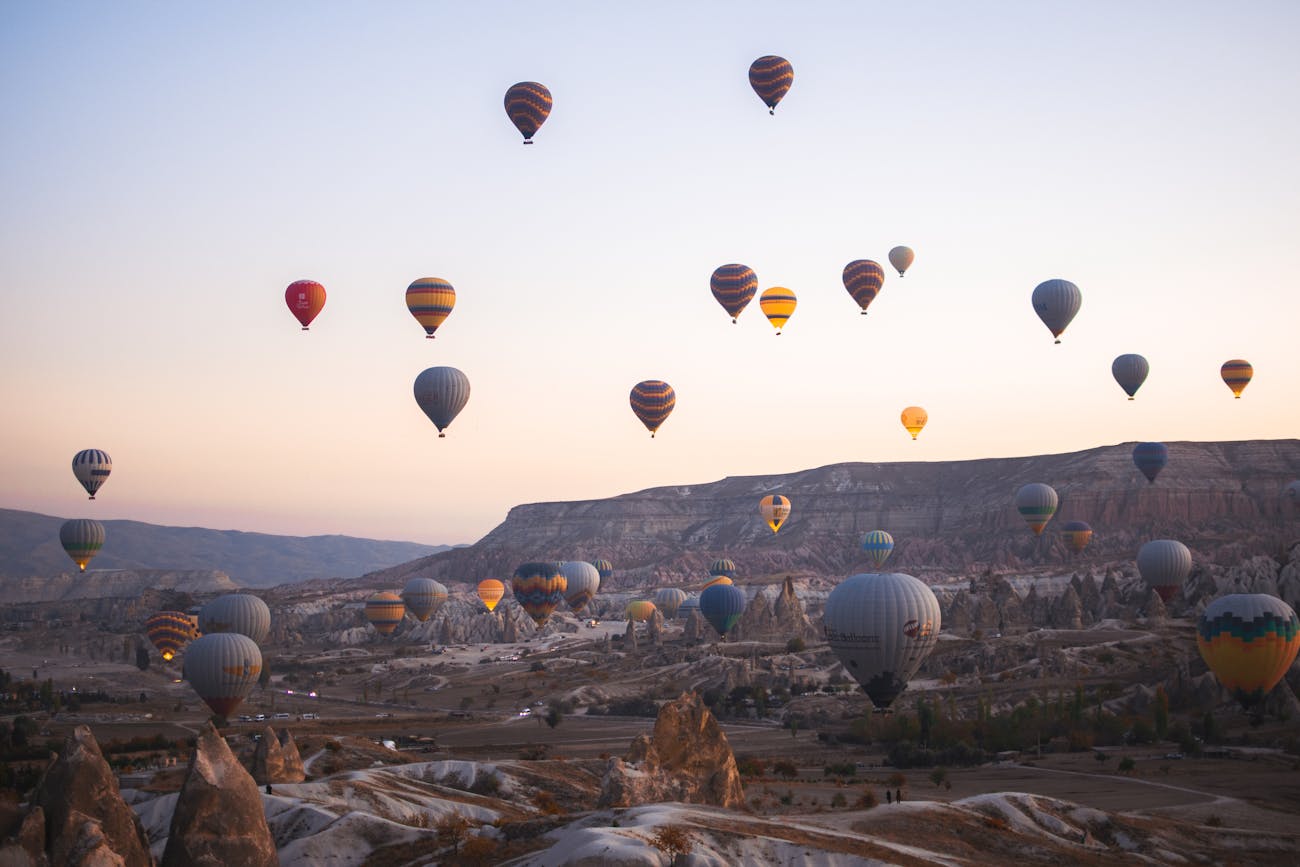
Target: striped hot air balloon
(582,580)
(442,393)
(385,611)
(528,104)
(1164,565)
(914,419)
(719,579)
(538,587)
(1130,371)
(1150,458)
(774,508)
(1236,375)
(771,77)
(734,287)
(778,305)
(722,605)
(1037,504)
(243,613)
(490,592)
(652,401)
(82,538)
(864,279)
(1249,640)
(430,300)
(668,600)
(901,258)
(639,610)
(169,631)
(305,299)
(1057,302)
(423,597)
(222,669)
(879,545)
(722,567)
(91,467)
(1077,535)
(604,569)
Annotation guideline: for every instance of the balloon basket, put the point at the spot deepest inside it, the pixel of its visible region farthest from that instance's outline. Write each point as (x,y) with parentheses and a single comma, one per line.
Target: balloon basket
(442,436)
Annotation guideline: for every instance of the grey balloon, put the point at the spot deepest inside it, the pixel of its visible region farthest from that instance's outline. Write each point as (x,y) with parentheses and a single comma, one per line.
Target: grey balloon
(222,668)
(423,597)
(669,600)
(1130,371)
(242,613)
(1164,565)
(442,393)
(1056,302)
(582,580)
(882,626)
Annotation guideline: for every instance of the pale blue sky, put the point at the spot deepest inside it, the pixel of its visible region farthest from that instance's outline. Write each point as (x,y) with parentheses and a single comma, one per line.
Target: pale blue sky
(167,169)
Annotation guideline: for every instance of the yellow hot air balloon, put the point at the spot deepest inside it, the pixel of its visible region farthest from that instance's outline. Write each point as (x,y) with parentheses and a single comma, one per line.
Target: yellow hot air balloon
(430,300)
(775,509)
(914,418)
(385,611)
(491,591)
(640,610)
(778,306)
(721,579)
(1249,640)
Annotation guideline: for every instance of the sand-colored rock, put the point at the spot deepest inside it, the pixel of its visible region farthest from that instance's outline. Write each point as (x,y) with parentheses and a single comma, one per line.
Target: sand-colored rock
(268,759)
(293,770)
(23,835)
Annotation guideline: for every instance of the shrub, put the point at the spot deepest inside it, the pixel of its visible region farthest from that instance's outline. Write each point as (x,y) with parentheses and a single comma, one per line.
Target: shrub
(867,800)
(751,767)
(785,768)
(673,840)
(545,802)
(839,800)
(939,776)
(486,783)
(840,769)
(795,645)
(1126,764)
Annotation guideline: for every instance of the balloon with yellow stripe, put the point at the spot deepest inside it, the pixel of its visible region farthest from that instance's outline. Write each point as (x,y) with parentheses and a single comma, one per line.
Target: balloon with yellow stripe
(778,305)
(385,611)
(1249,640)
(774,508)
(914,419)
(430,300)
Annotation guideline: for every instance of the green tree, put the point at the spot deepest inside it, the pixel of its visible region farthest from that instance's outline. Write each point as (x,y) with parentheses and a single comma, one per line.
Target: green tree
(939,776)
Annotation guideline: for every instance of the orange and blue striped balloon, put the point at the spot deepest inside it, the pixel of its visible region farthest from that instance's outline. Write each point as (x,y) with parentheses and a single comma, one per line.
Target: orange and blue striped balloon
(528,104)
(774,508)
(652,400)
(385,611)
(771,77)
(539,588)
(1249,640)
(778,305)
(169,631)
(734,287)
(430,300)
(864,280)
(1236,375)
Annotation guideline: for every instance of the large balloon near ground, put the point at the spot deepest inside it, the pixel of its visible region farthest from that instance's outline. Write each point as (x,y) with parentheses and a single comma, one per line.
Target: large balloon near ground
(1130,371)
(442,393)
(1236,375)
(528,105)
(1056,302)
(91,467)
(1150,459)
(775,509)
(1077,535)
(734,287)
(490,592)
(242,613)
(1249,640)
(1036,503)
(722,605)
(222,668)
(914,419)
(901,258)
(863,278)
(538,587)
(882,626)
(778,305)
(1164,564)
(423,597)
(582,581)
(305,299)
(430,300)
(771,77)
(81,539)
(668,600)
(879,545)
(169,631)
(652,401)
(385,611)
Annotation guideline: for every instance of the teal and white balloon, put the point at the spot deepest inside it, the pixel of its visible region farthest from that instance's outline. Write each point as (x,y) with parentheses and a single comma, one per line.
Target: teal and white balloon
(879,545)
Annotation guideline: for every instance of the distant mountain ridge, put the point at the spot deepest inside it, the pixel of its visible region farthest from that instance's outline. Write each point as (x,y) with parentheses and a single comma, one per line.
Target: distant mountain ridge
(29,548)
(1223,499)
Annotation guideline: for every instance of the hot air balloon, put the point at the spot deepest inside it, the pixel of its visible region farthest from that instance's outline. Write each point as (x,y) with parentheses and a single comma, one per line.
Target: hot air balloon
(243,613)
(771,77)
(1056,302)
(442,393)
(864,279)
(1077,535)
(1150,458)
(1249,640)
(639,611)
(721,579)
(722,567)
(430,300)
(1164,565)
(901,258)
(582,580)
(882,626)
(222,669)
(652,400)
(81,538)
(91,467)
(722,605)
(778,305)
(528,104)
(538,588)
(423,597)
(775,509)
(169,631)
(689,604)
(734,287)
(1236,375)
(385,611)
(1036,503)
(668,600)
(1292,491)
(879,545)
(305,299)
(1130,371)
(914,418)
(604,568)
(490,592)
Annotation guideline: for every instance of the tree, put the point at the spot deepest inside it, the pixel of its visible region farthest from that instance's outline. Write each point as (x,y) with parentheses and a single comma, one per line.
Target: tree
(795,645)
(1126,764)
(554,716)
(264,679)
(939,776)
(674,841)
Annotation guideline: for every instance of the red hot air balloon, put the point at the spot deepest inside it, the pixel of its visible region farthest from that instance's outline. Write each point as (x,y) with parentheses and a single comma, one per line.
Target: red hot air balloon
(771,77)
(528,104)
(305,299)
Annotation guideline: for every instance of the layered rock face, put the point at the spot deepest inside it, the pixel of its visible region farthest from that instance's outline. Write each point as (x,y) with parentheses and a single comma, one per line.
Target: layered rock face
(219,819)
(779,619)
(276,759)
(686,759)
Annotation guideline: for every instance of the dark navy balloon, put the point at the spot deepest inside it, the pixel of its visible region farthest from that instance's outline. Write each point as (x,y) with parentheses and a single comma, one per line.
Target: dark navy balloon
(1150,458)
(722,605)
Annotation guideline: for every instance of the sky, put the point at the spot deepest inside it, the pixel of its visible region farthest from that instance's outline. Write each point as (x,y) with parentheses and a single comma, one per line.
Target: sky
(166,170)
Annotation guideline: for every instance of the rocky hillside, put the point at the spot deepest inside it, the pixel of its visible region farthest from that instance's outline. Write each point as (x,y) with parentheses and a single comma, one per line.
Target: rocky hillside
(29,548)
(1223,499)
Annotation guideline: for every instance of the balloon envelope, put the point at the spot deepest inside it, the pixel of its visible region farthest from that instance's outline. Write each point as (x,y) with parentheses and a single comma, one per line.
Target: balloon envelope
(771,77)
(242,613)
(528,105)
(1077,535)
(490,592)
(718,579)
(882,626)
(879,545)
(775,509)
(863,278)
(423,597)
(430,300)
(722,567)
(689,604)
(582,580)
(305,299)
(1164,564)
(442,393)
(222,668)
(1056,302)
(169,631)
(604,568)
(669,599)
(538,588)
(385,611)
(81,539)
(652,401)
(1150,458)
(1249,640)
(901,258)
(91,467)
(1236,375)
(778,305)
(734,287)
(640,610)
(914,419)
(1037,504)
(722,605)
(1130,371)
